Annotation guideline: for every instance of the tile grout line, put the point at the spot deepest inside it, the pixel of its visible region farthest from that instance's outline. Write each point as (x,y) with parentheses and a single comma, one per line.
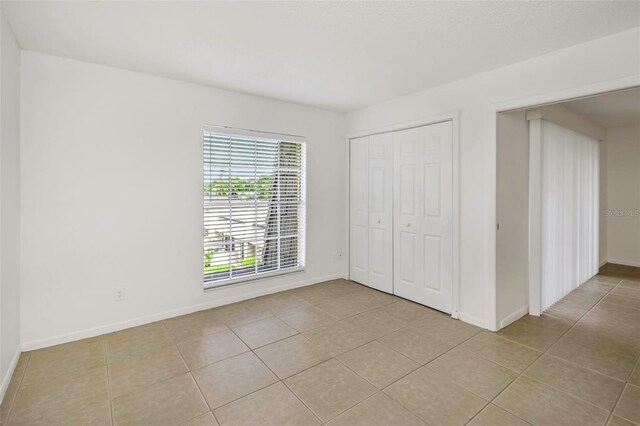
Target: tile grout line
(197,386)
(322,362)
(547,350)
(626,384)
(279,381)
(408,325)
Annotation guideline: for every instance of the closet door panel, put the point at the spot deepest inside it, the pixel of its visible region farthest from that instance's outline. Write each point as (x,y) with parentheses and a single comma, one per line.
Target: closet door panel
(359,211)
(424,209)
(381,212)
(438,216)
(407,202)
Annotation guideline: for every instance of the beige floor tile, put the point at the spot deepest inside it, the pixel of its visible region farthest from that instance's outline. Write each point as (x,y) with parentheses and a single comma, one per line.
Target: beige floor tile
(605,279)
(137,341)
(615,312)
(635,376)
(240,313)
(614,268)
(619,421)
(628,302)
(597,287)
(279,303)
(435,399)
(292,355)
(588,385)
(629,405)
(407,311)
(65,361)
(379,410)
(307,318)
(566,311)
(501,351)
(631,283)
(84,400)
(542,405)
(535,337)
(595,331)
(378,364)
(329,389)
(195,325)
(206,419)
(138,371)
(547,321)
(492,415)
(272,406)
(602,358)
(577,381)
(319,292)
(482,377)
(12,388)
(415,345)
(370,299)
(446,328)
(342,306)
(263,332)
(228,380)
(375,323)
(582,299)
(172,401)
(633,293)
(618,332)
(337,338)
(211,348)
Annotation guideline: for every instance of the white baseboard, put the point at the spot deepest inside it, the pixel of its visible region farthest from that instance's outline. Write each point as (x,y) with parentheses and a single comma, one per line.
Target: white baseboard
(7,377)
(514,316)
(604,262)
(474,320)
(109,328)
(624,262)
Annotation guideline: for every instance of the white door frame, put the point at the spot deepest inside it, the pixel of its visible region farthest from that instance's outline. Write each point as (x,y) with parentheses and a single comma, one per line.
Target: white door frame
(531,102)
(454,117)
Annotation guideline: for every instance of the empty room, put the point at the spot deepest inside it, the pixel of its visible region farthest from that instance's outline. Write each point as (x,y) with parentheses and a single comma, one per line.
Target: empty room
(274,213)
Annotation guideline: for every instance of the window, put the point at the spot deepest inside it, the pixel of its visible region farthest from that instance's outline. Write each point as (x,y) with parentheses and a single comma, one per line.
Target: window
(254,205)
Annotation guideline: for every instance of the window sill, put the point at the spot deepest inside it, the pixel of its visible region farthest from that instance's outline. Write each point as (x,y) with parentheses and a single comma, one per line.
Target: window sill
(247,279)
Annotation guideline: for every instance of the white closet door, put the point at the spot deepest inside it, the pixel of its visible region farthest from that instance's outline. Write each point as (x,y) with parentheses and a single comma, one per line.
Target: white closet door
(359,211)
(423,215)
(381,212)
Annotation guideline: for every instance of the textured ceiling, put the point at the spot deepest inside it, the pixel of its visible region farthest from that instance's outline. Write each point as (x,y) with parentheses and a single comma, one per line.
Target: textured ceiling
(335,55)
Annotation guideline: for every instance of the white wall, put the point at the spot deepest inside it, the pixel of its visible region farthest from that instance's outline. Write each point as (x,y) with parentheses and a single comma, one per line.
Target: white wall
(9,204)
(112,195)
(512,240)
(535,81)
(623,195)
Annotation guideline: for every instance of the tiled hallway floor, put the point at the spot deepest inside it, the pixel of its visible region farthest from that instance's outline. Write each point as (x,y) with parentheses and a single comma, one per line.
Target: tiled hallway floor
(342,354)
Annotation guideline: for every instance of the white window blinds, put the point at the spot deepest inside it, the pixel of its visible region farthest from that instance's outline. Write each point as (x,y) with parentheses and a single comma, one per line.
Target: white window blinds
(254,203)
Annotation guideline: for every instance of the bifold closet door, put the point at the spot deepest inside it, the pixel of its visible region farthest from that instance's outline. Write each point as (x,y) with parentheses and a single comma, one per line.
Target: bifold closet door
(359,211)
(423,215)
(381,212)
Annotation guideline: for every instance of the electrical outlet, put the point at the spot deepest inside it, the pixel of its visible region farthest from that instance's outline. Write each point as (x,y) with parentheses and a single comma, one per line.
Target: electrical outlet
(119,294)
(338,256)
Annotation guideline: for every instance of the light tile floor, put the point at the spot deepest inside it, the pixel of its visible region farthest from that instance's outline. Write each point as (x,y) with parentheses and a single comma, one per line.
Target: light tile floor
(342,354)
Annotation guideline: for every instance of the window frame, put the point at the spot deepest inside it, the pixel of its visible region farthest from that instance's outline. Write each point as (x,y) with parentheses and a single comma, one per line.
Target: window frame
(302,241)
